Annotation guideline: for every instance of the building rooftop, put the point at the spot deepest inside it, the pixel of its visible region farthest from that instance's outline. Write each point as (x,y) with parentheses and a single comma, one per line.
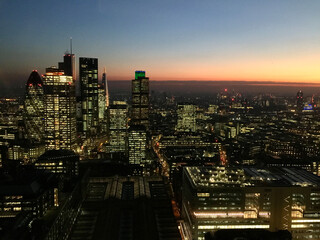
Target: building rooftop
(126,208)
(250,176)
(55,154)
(34,79)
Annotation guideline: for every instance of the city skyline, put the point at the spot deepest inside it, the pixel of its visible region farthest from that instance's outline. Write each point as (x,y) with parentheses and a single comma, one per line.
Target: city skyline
(172,119)
(211,40)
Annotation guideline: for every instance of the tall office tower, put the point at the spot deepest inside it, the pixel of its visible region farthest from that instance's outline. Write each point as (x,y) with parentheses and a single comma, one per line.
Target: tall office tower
(186,118)
(34,109)
(59,110)
(300,100)
(118,127)
(105,87)
(69,65)
(137,139)
(88,73)
(140,100)
(251,198)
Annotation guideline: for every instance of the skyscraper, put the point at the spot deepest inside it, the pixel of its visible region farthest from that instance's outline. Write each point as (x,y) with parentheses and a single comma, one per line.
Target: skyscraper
(300,100)
(105,87)
(103,100)
(118,129)
(60,112)
(34,109)
(88,72)
(137,145)
(140,100)
(69,65)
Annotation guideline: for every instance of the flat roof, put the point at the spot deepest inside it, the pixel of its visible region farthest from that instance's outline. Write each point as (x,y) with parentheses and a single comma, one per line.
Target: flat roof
(219,176)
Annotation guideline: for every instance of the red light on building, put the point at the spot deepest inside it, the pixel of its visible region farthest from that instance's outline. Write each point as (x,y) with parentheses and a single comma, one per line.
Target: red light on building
(226,89)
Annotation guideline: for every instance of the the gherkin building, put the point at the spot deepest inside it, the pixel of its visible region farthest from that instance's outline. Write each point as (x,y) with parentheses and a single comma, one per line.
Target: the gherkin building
(34,108)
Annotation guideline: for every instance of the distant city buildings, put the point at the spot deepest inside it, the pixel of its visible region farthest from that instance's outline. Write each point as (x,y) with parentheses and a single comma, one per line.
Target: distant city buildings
(186,118)
(300,102)
(232,163)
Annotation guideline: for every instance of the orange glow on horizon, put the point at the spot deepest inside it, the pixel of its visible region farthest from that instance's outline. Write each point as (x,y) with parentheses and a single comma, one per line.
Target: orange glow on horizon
(301,69)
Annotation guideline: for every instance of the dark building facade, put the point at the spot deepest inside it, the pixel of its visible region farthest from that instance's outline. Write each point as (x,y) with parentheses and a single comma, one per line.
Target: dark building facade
(300,100)
(88,72)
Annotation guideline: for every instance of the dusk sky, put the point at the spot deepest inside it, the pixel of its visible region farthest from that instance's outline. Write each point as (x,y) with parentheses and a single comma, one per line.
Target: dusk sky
(267,40)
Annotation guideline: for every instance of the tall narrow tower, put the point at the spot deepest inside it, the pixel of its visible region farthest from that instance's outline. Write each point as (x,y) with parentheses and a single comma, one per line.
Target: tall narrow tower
(88,72)
(140,100)
(105,87)
(69,64)
(300,100)
(34,108)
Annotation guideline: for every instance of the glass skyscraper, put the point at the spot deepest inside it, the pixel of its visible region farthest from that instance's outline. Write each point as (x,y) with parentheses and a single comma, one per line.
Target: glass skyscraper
(34,108)
(89,90)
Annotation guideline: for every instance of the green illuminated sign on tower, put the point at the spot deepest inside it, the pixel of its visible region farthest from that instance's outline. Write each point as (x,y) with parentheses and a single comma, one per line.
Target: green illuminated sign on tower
(140,74)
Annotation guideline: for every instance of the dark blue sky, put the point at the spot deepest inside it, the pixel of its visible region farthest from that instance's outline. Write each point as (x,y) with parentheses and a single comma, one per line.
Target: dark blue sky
(170,39)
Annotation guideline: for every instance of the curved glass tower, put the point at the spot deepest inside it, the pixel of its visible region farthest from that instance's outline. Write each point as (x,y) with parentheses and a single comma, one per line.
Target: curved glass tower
(34,108)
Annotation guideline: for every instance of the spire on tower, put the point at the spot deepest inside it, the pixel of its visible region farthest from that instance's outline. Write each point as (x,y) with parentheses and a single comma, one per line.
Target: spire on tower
(70,45)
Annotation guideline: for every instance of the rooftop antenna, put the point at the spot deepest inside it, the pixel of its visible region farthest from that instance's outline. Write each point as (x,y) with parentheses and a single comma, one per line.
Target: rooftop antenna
(71,45)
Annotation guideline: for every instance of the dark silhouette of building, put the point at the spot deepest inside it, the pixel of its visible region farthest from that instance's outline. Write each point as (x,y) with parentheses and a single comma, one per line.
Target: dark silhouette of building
(64,162)
(300,100)
(248,234)
(69,65)
(135,208)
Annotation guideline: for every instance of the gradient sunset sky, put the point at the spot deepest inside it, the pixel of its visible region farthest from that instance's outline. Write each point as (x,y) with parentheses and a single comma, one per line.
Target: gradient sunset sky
(267,40)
